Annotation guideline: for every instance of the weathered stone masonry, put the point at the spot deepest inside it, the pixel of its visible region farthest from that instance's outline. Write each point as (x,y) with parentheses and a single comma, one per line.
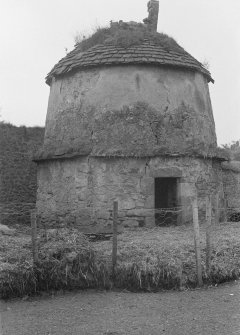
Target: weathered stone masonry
(82,190)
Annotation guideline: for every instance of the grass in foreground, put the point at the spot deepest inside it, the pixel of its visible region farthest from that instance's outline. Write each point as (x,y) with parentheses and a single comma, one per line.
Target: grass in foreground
(148,260)
(165,257)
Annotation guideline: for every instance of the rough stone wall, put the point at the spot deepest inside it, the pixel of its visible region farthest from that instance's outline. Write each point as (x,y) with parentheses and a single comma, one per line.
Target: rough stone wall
(129,111)
(82,190)
(231,179)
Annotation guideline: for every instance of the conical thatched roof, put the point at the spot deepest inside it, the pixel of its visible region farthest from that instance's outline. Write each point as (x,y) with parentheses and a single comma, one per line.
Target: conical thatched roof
(124,44)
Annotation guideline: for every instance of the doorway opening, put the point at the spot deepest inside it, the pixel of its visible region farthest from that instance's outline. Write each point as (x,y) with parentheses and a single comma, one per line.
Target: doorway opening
(166,201)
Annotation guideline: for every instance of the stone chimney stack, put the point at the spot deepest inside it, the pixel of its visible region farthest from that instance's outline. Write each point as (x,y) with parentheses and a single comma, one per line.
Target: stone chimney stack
(152,20)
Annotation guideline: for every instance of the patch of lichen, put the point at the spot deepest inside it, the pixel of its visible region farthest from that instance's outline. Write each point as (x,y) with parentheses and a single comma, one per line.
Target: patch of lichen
(125,35)
(140,111)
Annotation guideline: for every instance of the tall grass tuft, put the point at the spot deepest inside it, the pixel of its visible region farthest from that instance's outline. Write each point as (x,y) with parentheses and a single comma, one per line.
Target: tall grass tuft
(126,35)
(65,261)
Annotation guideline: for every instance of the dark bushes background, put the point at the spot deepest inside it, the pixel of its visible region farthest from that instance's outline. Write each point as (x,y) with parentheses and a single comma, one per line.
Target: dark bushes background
(18,174)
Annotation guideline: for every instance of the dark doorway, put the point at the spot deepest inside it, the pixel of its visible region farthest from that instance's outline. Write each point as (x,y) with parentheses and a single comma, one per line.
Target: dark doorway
(165,201)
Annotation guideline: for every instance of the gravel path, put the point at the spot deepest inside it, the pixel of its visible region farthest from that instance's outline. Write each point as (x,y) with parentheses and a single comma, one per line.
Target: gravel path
(206,311)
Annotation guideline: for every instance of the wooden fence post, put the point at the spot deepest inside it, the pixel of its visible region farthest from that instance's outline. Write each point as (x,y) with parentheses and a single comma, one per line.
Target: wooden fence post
(225,217)
(217,209)
(208,232)
(34,235)
(1,327)
(197,242)
(114,246)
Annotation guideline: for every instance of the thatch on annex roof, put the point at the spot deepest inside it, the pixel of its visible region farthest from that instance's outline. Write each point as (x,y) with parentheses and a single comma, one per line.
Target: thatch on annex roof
(126,43)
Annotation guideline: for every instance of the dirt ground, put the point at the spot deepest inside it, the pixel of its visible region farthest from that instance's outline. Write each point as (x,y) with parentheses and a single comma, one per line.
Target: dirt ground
(205,311)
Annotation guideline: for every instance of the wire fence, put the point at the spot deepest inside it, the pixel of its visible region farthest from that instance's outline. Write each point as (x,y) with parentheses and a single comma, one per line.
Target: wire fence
(166,216)
(213,216)
(19,212)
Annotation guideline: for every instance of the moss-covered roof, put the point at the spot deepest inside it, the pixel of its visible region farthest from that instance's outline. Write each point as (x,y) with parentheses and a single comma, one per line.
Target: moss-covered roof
(126,44)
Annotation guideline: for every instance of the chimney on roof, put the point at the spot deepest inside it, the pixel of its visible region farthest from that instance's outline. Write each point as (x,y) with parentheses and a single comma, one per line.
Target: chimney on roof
(152,20)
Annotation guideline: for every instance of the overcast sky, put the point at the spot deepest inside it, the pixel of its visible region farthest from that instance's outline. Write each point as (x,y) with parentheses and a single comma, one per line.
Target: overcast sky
(35,33)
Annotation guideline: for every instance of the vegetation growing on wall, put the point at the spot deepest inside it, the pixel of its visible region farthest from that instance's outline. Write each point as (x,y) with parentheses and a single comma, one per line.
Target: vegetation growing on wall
(136,130)
(233,149)
(124,35)
(18,178)
(140,129)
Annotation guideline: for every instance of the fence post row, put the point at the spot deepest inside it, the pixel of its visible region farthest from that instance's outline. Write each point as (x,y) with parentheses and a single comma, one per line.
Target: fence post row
(34,235)
(197,242)
(114,246)
(208,232)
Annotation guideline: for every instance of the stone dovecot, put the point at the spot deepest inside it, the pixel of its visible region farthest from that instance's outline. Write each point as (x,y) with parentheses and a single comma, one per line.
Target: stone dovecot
(130,119)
